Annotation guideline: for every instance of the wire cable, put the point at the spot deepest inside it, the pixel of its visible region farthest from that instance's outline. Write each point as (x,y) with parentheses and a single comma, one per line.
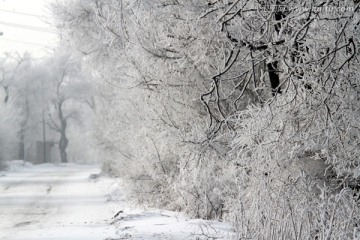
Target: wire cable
(23,13)
(24,42)
(28,27)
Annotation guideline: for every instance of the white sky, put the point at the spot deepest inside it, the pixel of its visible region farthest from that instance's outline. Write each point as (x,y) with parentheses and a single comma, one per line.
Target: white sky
(24,27)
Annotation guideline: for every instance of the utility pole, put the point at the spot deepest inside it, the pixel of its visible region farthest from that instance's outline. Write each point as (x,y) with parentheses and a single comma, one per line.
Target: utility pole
(44,135)
(43,122)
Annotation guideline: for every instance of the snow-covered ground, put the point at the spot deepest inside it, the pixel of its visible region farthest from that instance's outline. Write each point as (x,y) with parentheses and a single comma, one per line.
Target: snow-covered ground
(54,202)
(62,202)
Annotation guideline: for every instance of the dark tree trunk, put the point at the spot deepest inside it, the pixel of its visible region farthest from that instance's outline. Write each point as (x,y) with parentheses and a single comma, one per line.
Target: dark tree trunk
(62,147)
(273,66)
(64,142)
(6,89)
(274,77)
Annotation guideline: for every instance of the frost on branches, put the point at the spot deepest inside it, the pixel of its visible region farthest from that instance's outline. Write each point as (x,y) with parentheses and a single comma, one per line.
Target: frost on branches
(246,111)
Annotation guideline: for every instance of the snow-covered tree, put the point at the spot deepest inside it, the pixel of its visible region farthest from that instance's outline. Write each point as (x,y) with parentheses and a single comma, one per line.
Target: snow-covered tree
(294,153)
(10,116)
(47,93)
(244,110)
(25,90)
(68,93)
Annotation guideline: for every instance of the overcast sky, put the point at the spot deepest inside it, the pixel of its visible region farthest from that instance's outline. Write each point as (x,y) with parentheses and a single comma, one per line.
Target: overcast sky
(24,27)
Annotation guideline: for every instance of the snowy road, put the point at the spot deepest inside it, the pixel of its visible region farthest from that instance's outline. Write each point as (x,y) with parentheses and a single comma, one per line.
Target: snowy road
(54,202)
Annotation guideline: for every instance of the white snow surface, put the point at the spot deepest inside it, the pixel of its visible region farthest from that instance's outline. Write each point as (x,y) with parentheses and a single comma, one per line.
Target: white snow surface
(62,201)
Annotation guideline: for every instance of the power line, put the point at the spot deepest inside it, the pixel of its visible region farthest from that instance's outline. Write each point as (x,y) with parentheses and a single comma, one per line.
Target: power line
(24,42)
(28,27)
(23,13)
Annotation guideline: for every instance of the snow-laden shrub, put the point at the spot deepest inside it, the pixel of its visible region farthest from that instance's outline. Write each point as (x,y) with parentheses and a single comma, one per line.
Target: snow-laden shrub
(292,164)
(201,182)
(174,75)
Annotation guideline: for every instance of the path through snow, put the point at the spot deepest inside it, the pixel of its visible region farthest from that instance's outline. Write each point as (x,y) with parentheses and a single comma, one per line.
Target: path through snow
(56,202)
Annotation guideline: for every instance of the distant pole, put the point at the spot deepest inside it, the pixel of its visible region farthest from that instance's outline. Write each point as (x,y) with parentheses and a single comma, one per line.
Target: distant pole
(43,123)
(44,135)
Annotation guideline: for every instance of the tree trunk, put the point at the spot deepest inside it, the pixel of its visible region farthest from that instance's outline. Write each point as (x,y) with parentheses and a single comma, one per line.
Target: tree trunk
(62,147)
(274,77)
(63,143)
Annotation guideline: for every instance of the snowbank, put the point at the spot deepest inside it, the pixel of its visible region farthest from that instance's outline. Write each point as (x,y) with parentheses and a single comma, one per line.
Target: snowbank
(15,166)
(134,222)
